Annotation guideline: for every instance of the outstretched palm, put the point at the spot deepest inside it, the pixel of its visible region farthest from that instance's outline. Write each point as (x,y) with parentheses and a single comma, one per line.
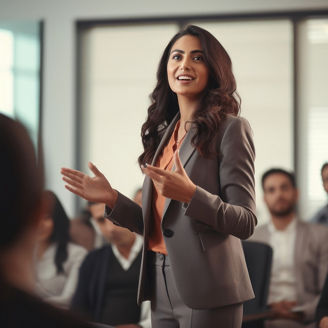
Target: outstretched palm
(95,189)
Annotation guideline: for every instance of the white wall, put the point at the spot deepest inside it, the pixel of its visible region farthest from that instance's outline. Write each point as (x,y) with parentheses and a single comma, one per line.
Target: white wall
(59,56)
(118,72)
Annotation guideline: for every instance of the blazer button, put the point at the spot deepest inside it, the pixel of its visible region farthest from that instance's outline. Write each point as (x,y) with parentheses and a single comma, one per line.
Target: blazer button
(168,233)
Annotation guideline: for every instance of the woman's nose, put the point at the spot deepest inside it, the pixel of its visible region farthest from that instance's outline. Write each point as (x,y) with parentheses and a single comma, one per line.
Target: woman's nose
(185,64)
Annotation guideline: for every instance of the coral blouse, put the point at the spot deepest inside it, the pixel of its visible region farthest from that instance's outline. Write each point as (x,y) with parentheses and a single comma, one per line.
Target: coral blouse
(164,161)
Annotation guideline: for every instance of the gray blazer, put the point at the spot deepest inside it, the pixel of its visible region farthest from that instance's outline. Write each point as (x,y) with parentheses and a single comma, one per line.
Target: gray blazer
(203,237)
(311,262)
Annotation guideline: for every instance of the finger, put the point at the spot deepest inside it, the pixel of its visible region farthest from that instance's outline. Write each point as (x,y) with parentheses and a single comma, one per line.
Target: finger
(154,176)
(73,183)
(75,191)
(66,171)
(157,170)
(177,162)
(73,177)
(94,169)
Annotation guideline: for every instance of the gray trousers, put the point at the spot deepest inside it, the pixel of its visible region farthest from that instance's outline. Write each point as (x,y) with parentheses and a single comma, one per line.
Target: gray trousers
(169,311)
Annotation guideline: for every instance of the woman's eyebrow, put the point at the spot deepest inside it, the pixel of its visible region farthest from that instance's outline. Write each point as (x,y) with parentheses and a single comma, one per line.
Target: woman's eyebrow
(178,50)
(182,52)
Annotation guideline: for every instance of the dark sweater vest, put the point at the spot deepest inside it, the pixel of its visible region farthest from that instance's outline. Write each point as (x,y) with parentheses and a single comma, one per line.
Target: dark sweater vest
(120,293)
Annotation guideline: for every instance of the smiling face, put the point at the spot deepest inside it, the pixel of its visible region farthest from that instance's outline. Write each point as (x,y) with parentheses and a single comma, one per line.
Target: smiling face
(186,69)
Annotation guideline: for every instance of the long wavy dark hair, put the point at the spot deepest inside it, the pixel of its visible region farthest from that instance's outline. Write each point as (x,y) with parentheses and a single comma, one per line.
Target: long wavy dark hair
(60,233)
(218,99)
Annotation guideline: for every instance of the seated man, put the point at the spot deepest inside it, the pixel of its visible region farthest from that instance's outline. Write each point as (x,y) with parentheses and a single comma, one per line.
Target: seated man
(300,254)
(322,215)
(108,280)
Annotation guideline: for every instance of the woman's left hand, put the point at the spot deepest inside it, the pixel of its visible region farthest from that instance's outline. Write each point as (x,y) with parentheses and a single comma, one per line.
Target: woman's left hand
(175,185)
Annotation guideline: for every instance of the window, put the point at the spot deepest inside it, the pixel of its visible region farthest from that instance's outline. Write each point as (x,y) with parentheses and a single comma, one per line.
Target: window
(6,72)
(313,112)
(20,73)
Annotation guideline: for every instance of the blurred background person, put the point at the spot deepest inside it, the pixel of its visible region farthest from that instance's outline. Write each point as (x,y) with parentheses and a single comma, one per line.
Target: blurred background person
(22,207)
(322,215)
(108,280)
(300,254)
(84,231)
(59,259)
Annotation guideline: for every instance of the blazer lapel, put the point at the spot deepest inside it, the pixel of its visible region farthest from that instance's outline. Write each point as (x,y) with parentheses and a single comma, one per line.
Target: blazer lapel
(186,149)
(299,241)
(165,137)
(147,189)
(185,152)
(299,252)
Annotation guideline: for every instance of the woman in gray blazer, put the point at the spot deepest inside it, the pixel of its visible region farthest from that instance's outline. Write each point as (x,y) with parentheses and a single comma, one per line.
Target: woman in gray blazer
(198,192)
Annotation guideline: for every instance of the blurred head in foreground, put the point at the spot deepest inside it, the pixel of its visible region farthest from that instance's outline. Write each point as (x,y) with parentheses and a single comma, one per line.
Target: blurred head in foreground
(21,203)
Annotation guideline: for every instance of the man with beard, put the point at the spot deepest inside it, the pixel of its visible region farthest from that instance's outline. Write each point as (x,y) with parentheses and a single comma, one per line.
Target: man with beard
(300,254)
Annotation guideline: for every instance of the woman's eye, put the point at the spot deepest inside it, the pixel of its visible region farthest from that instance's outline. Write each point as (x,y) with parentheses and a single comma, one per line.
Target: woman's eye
(176,57)
(198,58)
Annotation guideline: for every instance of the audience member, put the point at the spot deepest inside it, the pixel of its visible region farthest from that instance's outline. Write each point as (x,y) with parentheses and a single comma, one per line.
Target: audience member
(59,260)
(300,254)
(22,206)
(322,215)
(85,232)
(108,280)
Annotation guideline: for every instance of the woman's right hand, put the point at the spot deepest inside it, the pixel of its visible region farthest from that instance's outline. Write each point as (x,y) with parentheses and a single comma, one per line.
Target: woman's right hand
(94,189)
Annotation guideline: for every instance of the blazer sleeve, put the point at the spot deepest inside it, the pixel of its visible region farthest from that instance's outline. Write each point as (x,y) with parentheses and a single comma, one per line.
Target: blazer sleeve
(126,213)
(233,210)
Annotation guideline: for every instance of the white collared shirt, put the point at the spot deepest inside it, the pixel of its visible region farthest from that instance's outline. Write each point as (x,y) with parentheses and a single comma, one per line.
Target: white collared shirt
(145,320)
(135,249)
(283,282)
(55,288)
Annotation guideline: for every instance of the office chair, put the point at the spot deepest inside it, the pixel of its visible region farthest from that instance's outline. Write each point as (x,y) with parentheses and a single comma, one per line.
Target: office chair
(258,259)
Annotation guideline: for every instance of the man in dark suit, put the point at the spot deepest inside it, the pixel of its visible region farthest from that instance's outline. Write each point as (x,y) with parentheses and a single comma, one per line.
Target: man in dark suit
(300,254)
(108,281)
